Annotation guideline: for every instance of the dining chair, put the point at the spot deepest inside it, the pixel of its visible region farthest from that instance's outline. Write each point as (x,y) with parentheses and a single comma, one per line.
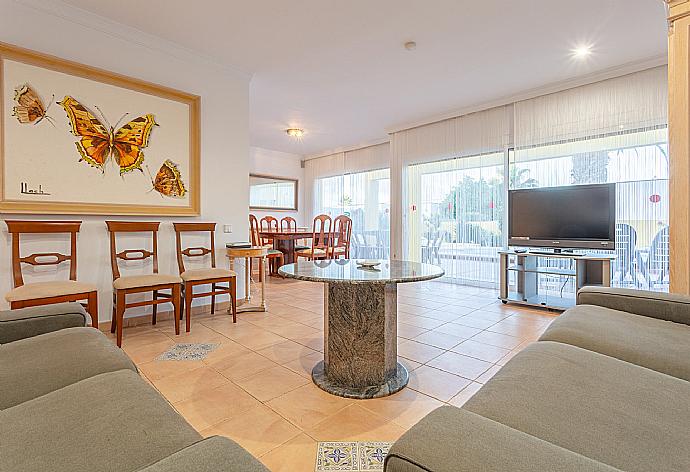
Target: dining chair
(288,223)
(257,240)
(320,241)
(340,242)
(214,276)
(154,282)
(54,291)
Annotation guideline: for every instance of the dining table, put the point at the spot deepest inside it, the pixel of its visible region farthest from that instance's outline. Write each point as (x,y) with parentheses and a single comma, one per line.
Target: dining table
(284,240)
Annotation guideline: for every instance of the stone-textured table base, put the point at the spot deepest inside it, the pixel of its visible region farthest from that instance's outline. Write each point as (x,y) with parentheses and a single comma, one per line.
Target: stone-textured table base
(360,332)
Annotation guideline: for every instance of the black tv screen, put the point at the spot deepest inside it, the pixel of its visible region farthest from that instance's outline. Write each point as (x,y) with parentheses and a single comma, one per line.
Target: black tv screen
(579,216)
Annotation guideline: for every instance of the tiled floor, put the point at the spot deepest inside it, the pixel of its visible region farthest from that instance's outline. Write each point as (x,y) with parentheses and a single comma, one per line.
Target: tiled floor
(256,387)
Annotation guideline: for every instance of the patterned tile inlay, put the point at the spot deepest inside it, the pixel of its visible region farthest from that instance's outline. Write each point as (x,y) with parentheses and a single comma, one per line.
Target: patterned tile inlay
(187,352)
(351,456)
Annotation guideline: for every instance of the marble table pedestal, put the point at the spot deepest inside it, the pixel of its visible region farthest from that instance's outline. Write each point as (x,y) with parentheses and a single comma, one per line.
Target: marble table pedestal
(360,341)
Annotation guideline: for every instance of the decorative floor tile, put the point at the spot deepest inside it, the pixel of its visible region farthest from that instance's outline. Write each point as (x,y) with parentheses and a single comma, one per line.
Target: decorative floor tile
(188,352)
(351,456)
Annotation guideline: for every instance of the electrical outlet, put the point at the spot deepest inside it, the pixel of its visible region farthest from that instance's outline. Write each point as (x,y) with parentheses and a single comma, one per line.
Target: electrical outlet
(227,228)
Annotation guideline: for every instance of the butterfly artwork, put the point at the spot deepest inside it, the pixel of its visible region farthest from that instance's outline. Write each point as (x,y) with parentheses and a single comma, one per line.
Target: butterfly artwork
(168,181)
(99,143)
(29,108)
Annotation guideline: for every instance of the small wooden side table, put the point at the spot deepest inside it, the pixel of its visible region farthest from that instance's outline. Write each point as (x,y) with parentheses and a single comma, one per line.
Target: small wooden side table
(254,252)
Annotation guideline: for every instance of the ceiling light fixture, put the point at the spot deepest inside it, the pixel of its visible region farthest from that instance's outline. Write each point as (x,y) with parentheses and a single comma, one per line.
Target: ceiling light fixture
(410,45)
(295,132)
(582,51)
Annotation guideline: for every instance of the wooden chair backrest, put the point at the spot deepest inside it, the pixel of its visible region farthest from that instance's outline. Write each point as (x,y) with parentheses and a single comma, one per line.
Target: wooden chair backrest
(288,223)
(194,251)
(255,238)
(269,222)
(115,227)
(342,231)
(18,227)
(321,232)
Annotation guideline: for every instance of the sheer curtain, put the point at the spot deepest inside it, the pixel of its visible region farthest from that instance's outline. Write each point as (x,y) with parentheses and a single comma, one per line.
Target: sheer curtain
(451,178)
(357,184)
(612,131)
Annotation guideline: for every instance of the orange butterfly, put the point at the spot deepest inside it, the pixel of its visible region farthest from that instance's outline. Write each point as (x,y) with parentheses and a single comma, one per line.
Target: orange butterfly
(29,107)
(99,142)
(168,180)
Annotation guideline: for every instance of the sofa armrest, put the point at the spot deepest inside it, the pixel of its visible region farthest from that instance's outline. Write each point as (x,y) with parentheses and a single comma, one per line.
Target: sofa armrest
(28,322)
(663,306)
(213,454)
(451,439)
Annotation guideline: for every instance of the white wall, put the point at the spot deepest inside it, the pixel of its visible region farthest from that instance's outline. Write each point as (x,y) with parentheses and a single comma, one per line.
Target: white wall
(280,164)
(53,28)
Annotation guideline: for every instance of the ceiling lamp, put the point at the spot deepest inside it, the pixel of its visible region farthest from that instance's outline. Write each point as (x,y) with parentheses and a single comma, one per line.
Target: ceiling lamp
(583,51)
(295,132)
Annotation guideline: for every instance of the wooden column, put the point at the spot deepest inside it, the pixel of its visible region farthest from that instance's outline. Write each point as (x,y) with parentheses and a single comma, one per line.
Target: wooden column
(679,142)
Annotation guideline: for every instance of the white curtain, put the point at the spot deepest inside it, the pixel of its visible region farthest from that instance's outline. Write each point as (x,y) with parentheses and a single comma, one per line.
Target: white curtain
(355,183)
(450,176)
(612,131)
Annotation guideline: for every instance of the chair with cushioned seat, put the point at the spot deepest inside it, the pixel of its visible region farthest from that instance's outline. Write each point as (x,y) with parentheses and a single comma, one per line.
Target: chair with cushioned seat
(155,282)
(288,223)
(320,241)
(342,231)
(257,240)
(213,275)
(49,292)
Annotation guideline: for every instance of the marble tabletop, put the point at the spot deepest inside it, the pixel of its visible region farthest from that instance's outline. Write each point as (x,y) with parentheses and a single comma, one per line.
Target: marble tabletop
(347,271)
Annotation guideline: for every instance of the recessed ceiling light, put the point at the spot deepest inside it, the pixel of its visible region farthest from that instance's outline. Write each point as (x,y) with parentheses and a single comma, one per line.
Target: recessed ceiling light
(295,132)
(582,51)
(410,45)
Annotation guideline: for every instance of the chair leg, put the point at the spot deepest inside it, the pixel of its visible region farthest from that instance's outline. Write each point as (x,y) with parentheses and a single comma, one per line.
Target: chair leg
(233,298)
(176,301)
(213,299)
(113,321)
(120,314)
(92,308)
(155,307)
(188,296)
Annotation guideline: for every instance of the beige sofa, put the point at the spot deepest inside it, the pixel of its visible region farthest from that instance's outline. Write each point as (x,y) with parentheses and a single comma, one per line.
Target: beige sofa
(606,388)
(71,401)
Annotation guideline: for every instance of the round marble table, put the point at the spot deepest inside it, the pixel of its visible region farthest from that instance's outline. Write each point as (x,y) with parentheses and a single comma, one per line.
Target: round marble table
(360,323)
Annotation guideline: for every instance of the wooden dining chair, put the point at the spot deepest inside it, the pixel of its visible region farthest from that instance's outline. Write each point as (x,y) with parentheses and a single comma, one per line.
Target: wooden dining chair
(320,241)
(213,275)
(257,240)
(56,291)
(288,223)
(340,242)
(154,282)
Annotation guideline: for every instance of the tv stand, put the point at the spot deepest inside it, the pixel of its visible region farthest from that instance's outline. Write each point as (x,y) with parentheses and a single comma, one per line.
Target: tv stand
(586,269)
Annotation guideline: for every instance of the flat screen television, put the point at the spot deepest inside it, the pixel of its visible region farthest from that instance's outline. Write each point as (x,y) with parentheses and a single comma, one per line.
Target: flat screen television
(574,217)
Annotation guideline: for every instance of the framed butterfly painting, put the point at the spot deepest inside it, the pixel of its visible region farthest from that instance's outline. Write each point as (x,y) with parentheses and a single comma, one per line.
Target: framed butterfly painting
(80,140)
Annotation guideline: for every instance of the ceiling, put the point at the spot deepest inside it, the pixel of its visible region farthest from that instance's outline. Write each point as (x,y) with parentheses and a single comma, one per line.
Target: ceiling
(338,69)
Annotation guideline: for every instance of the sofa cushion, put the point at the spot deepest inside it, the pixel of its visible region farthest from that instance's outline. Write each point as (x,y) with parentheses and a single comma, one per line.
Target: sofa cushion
(659,345)
(451,439)
(626,416)
(110,422)
(35,366)
(26,322)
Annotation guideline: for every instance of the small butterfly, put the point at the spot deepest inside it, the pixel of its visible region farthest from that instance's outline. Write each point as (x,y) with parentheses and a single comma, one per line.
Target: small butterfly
(98,142)
(168,181)
(29,107)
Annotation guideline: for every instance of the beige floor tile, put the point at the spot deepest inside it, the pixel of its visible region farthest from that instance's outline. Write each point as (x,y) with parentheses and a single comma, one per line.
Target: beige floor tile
(271,383)
(484,352)
(474,322)
(486,376)
(356,423)
(497,339)
(256,338)
(210,407)
(419,321)
(156,370)
(189,384)
(237,367)
(314,342)
(308,405)
(419,352)
(258,430)
(408,331)
(461,398)
(198,334)
(437,383)
(296,455)
(453,311)
(458,330)
(226,348)
(464,366)
(405,408)
(293,330)
(409,364)
(285,351)
(304,365)
(142,335)
(439,340)
(140,353)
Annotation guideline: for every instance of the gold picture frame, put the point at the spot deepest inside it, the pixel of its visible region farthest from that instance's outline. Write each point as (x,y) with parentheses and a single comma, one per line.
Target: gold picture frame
(173,101)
